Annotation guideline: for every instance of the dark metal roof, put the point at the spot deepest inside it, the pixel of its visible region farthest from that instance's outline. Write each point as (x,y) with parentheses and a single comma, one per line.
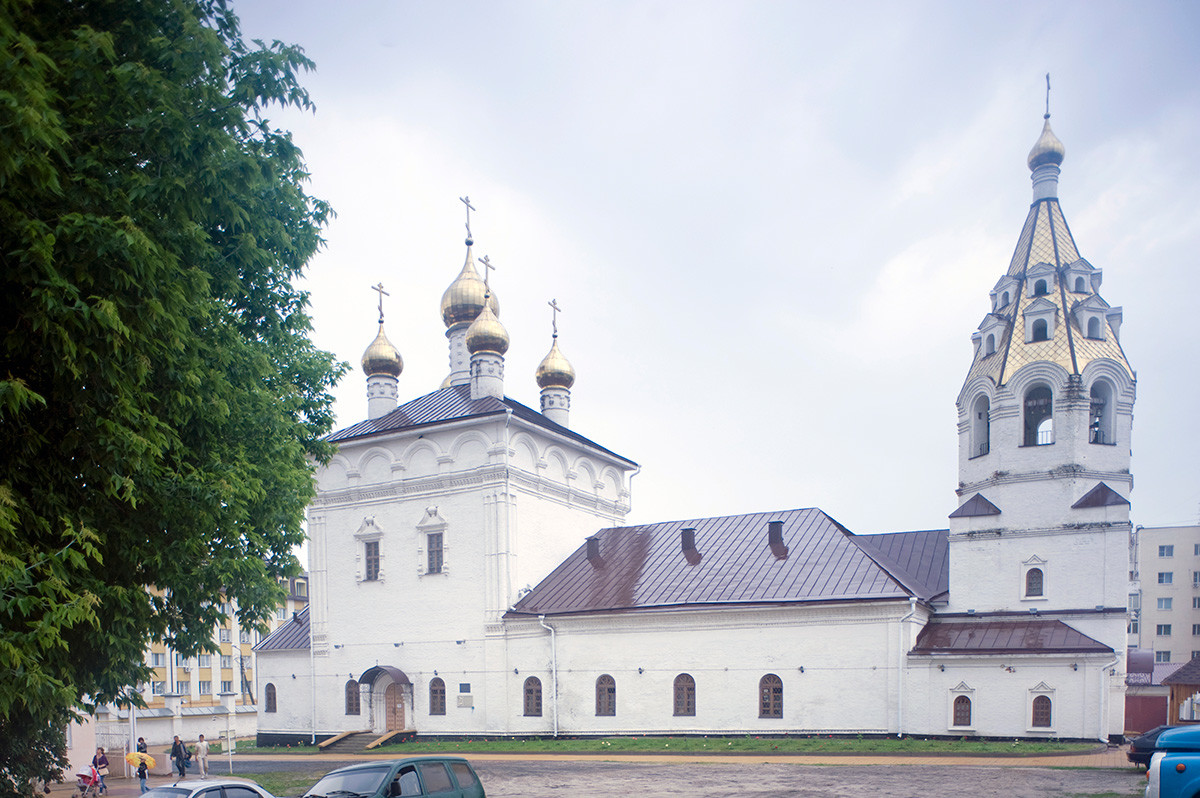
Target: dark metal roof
(455,404)
(1005,637)
(645,567)
(976,505)
(920,559)
(1100,496)
(291,636)
(1188,673)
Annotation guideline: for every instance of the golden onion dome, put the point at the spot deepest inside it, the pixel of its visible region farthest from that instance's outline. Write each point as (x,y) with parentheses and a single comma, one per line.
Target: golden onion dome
(486,333)
(446,382)
(555,371)
(1048,148)
(463,300)
(381,357)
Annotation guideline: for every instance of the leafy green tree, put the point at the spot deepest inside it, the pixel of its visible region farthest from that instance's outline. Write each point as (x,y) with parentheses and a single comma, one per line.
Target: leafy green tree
(161,405)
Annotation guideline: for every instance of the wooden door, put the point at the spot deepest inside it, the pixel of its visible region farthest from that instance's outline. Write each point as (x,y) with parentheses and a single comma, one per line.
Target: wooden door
(393,702)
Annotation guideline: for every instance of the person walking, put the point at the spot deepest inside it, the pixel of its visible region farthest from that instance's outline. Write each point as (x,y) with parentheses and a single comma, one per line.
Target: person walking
(100,763)
(202,755)
(141,774)
(141,745)
(180,754)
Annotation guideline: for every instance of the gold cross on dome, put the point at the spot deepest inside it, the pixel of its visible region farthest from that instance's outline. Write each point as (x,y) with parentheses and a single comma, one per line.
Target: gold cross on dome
(467,201)
(382,294)
(553,303)
(487,270)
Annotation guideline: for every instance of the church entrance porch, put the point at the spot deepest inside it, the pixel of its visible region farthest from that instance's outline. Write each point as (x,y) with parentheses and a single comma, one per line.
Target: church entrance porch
(391,698)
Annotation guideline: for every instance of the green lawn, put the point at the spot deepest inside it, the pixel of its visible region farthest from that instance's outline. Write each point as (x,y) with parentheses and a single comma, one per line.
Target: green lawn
(709,745)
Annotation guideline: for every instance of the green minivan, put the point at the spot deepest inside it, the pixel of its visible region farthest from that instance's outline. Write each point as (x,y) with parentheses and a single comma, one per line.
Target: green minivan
(443,776)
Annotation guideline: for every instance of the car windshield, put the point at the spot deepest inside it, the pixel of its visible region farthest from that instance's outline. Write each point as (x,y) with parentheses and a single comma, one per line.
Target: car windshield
(167,792)
(348,782)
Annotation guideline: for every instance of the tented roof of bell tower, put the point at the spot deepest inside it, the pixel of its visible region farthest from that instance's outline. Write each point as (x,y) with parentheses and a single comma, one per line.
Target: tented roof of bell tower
(1046,250)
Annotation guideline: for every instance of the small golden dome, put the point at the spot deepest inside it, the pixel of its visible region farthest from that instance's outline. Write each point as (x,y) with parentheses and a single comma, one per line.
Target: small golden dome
(463,300)
(1048,148)
(486,333)
(555,370)
(381,357)
(446,382)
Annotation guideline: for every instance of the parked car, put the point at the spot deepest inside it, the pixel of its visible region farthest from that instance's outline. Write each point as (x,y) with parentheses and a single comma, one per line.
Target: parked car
(445,776)
(1175,767)
(1142,747)
(209,788)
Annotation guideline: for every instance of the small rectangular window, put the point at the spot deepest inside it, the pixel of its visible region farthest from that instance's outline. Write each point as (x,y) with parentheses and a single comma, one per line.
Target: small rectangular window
(180,661)
(158,660)
(1163,630)
(281,614)
(158,688)
(301,588)
(1195,578)
(183,688)
(204,660)
(1166,551)
(1162,656)
(244,636)
(1196,628)
(1196,549)
(1195,654)
(226,635)
(1196,602)
(1135,601)
(204,687)
(434,545)
(1133,626)
(372,560)
(1166,577)
(1164,603)
(226,661)
(226,687)
(464,687)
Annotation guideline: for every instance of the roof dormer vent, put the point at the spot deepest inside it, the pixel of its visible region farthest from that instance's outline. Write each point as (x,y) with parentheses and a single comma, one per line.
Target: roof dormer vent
(593,551)
(687,541)
(775,539)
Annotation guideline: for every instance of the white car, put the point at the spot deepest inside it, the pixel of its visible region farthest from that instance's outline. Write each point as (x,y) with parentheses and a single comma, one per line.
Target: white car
(209,788)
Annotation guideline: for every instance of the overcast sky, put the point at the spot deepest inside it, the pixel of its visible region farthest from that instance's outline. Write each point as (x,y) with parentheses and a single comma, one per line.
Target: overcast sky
(772,226)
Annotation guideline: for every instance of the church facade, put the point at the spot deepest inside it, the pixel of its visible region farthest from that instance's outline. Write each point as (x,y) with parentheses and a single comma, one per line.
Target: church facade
(472,572)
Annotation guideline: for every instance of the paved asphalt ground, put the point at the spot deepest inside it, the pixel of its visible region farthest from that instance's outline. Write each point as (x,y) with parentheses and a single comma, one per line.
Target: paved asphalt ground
(1105,774)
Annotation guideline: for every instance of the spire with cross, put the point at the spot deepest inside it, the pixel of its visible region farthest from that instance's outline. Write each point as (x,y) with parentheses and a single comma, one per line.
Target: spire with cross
(467,201)
(1047,95)
(487,270)
(382,294)
(553,303)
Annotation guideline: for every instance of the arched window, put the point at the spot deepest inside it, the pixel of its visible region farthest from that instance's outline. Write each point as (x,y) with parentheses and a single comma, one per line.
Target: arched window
(606,696)
(269,698)
(1004,300)
(533,697)
(1080,286)
(352,701)
(1041,330)
(1093,330)
(685,695)
(1042,717)
(1100,418)
(990,347)
(981,427)
(1040,288)
(1039,416)
(1033,582)
(770,696)
(962,711)
(437,696)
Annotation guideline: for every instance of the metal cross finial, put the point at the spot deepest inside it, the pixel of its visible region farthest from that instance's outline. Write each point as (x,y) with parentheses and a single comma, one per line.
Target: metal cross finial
(554,315)
(487,269)
(1047,95)
(382,294)
(467,201)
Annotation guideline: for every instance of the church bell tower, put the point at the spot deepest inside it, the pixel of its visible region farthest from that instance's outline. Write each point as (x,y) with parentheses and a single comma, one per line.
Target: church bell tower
(1044,422)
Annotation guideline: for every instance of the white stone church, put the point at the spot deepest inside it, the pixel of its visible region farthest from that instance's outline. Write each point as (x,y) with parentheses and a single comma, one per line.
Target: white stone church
(434,513)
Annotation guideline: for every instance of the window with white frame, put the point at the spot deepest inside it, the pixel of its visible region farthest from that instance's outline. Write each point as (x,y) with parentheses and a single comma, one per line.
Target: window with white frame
(1040,709)
(1195,629)
(226,686)
(244,636)
(1166,577)
(432,544)
(226,635)
(158,660)
(1163,630)
(1195,578)
(1162,656)
(1166,551)
(204,660)
(1033,578)
(1164,603)
(370,551)
(183,688)
(226,661)
(962,707)
(158,688)
(1133,626)
(204,687)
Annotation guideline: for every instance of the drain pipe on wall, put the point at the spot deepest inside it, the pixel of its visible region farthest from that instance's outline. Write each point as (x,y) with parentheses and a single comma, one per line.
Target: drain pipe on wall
(1104,702)
(553,667)
(912,610)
